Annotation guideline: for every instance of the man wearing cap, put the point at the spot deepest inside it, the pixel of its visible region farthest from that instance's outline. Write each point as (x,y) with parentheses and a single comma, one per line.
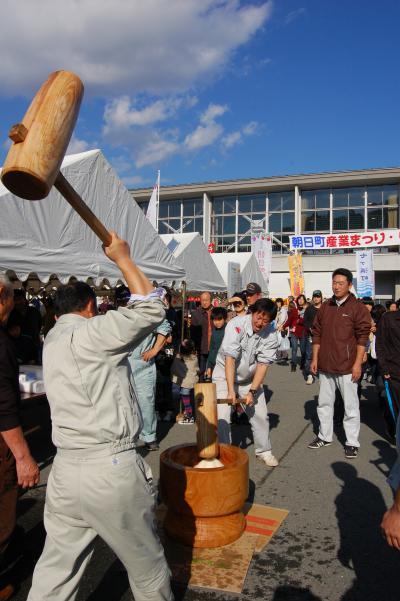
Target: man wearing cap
(309,317)
(253,293)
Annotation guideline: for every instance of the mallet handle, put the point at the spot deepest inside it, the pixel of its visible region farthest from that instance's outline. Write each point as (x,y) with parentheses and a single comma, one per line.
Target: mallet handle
(76,202)
(230,402)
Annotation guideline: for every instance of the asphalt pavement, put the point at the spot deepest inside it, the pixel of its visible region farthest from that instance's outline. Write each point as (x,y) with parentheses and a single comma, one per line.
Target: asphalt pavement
(328,549)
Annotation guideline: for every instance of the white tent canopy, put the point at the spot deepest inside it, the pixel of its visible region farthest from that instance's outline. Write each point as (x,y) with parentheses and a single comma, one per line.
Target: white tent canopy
(48,237)
(191,253)
(249,268)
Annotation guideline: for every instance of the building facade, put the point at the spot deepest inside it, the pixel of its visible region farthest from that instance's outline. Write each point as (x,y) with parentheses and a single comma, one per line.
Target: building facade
(348,201)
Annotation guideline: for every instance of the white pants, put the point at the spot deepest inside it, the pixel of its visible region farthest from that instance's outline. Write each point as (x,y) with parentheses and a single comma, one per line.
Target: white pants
(326,401)
(257,414)
(110,496)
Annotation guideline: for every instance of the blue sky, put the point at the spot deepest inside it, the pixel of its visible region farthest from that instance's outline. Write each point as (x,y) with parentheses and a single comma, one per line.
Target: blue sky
(214,89)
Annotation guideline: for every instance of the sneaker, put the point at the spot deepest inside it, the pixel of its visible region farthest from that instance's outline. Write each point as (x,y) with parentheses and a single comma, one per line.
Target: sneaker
(350,452)
(179,418)
(168,417)
(268,458)
(187,420)
(310,379)
(318,443)
(152,446)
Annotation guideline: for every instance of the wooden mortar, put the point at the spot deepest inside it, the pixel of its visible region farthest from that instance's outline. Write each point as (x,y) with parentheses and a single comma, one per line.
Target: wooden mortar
(204,504)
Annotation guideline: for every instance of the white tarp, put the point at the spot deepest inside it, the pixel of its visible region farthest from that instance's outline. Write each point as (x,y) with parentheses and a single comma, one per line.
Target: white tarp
(249,268)
(47,236)
(191,253)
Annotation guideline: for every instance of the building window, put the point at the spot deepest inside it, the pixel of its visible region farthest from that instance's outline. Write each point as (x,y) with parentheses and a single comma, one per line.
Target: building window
(350,209)
(223,223)
(192,218)
(181,216)
(315,199)
(281,219)
(382,206)
(233,218)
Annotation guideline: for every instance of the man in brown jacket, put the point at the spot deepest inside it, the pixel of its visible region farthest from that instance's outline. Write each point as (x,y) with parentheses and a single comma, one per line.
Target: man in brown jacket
(340,334)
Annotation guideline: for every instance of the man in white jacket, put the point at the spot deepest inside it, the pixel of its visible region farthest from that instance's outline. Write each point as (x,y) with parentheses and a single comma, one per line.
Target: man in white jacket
(99,485)
(249,346)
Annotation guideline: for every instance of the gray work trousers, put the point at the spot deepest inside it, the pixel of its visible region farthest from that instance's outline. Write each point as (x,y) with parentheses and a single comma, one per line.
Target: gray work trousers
(90,494)
(257,414)
(326,401)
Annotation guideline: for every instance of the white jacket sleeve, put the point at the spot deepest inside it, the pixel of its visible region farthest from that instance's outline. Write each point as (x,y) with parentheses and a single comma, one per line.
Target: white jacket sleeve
(231,343)
(117,331)
(267,352)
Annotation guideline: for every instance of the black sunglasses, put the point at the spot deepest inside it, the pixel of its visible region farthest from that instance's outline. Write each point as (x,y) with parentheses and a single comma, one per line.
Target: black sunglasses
(237,303)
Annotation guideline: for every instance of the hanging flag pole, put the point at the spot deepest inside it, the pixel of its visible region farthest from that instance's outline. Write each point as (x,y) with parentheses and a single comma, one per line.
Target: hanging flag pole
(152,209)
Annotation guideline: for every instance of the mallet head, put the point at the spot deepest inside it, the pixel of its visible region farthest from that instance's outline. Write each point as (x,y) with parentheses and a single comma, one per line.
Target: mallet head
(41,139)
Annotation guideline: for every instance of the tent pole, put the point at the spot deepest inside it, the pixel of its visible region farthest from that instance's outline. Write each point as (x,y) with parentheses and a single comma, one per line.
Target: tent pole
(183,311)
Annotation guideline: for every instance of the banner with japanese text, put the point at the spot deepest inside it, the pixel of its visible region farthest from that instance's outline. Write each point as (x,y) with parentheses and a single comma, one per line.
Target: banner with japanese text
(351,240)
(365,273)
(234,278)
(261,246)
(296,274)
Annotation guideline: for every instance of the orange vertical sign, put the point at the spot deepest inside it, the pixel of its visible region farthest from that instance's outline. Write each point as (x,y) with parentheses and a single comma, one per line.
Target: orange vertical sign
(296,274)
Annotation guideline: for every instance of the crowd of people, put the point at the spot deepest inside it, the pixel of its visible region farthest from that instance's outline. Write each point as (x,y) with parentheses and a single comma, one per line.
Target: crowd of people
(109,379)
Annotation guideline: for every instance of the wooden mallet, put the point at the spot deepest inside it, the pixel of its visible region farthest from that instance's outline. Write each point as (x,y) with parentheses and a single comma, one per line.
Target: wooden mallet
(40,141)
(206,402)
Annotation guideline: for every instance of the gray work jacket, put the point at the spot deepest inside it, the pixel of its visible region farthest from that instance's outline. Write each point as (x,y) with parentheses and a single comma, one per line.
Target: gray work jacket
(248,348)
(88,380)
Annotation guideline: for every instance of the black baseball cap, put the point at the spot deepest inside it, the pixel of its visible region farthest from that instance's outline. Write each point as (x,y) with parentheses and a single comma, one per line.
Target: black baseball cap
(253,288)
(317,293)
(122,293)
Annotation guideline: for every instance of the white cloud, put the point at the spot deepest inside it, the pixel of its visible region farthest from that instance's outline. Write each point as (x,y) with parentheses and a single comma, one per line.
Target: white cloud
(124,46)
(155,151)
(294,14)
(133,180)
(231,139)
(120,113)
(236,137)
(250,128)
(209,131)
(203,135)
(76,145)
(121,164)
(213,111)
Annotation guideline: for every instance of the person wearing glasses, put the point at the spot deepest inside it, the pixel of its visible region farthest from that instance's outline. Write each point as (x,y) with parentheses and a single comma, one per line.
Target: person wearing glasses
(239,304)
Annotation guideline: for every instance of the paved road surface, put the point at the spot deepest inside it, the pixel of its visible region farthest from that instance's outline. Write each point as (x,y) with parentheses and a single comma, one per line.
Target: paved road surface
(328,549)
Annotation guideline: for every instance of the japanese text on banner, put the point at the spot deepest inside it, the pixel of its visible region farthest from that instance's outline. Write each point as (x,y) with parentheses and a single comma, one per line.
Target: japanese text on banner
(261,246)
(350,240)
(365,273)
(296,275)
